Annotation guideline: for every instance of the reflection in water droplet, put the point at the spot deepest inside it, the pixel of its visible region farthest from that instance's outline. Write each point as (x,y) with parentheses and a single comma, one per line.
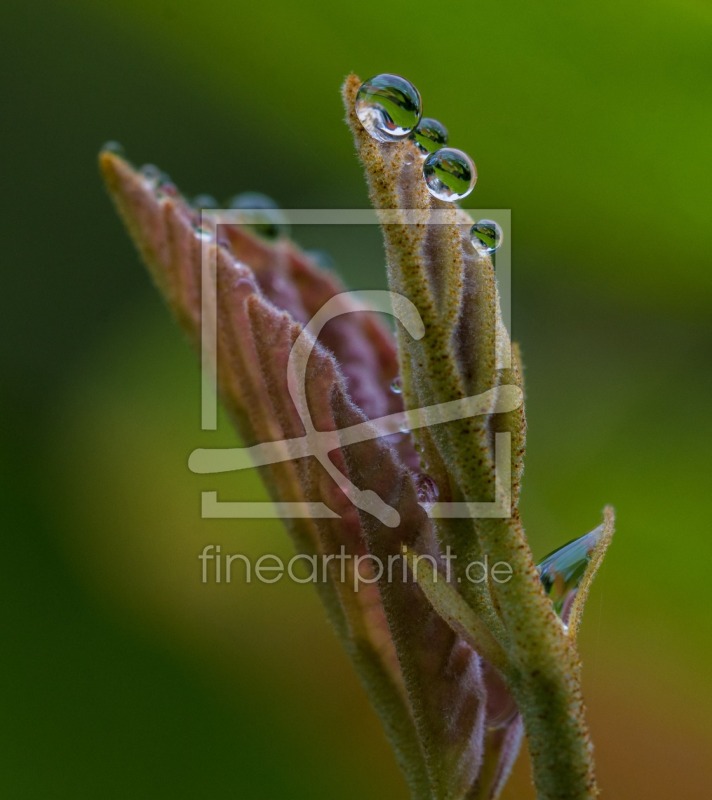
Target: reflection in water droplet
(426,489)
(388,107)
(397,385)
(430,135)
(261,214)
(450,174)
(562,570)
(113,147)
(486,236)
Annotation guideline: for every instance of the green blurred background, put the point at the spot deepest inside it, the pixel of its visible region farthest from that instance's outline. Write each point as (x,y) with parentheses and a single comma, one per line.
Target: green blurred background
(123,676)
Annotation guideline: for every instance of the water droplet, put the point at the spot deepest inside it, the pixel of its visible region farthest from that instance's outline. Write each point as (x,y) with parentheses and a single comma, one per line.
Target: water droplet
(166,187)
(408,157)
(397,385)
(261,213)
(426,489)
(253,201)
(151,174)
(450,174)
(113,147)
(203,234)
(486,236)
(430,135)
(322,259)
(204,201)
(388,107)
(562,570)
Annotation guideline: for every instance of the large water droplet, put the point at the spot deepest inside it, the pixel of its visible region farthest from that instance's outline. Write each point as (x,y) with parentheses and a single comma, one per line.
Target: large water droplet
(562,570)
(261,213)
(388,107)
(486,236)
(450,174)
(430,135)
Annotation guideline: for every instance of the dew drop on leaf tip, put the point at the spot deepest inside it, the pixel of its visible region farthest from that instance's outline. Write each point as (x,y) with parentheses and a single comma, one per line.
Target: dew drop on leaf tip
(562,570)
(389,107)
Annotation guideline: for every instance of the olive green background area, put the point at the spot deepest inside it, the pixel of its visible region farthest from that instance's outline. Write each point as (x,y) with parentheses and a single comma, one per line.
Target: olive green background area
(121,674)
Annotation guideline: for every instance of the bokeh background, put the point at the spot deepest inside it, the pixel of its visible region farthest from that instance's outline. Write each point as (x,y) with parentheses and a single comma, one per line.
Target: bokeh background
(121,675)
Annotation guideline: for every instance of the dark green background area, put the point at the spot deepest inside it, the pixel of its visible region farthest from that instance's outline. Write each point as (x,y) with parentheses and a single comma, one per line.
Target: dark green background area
(121,675)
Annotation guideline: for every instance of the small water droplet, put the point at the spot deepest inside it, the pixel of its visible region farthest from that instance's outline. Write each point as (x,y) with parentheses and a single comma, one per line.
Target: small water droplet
(204,201)
(408,157)
(322,259)
(388,106)
(426,489)
(397,385)
(166,187)
(203,234)
(562,570)
(450,174)
(113,147)
(430,135)
(486,236)
(261,213)
(151,174)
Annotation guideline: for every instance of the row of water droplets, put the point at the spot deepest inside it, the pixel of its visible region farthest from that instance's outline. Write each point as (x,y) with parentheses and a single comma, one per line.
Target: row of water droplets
(426,488)
(390,109)
(259,212)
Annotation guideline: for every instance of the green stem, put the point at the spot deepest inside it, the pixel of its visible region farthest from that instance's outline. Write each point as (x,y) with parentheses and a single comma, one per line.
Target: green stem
(561,754)
(544,674)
